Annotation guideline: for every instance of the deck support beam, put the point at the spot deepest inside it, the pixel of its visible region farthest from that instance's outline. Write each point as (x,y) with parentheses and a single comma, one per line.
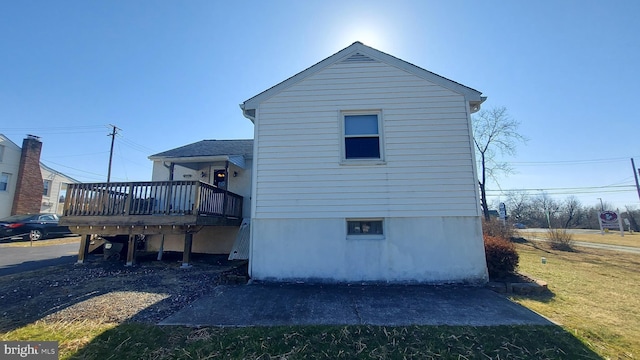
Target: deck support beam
(186,255)
(85,239)
(131,251)
(161,250)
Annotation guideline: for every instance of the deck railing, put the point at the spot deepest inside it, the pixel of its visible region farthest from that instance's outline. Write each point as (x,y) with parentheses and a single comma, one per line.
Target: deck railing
(151,198)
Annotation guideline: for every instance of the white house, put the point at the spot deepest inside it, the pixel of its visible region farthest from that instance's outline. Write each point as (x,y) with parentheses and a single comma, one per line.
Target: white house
(53,186)
(55,189)
(9,167)
(363,170)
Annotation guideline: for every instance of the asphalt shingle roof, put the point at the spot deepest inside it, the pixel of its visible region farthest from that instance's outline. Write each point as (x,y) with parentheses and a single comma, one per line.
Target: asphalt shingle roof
(210,148)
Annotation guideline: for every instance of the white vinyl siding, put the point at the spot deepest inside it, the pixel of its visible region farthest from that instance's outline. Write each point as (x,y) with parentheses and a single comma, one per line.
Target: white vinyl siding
(57,185)
(428,169)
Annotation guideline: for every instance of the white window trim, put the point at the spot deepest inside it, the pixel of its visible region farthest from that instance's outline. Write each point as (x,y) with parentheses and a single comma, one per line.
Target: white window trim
(343,157)
(365,236)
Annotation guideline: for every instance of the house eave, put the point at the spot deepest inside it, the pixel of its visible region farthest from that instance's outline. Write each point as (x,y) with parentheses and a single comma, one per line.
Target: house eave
(238,160)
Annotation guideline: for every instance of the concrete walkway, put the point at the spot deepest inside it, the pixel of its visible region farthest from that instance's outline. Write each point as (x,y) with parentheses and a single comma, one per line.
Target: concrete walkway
(391,305)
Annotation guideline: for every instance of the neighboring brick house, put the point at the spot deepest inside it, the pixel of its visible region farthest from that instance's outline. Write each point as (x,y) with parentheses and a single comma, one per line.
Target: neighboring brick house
(27,185)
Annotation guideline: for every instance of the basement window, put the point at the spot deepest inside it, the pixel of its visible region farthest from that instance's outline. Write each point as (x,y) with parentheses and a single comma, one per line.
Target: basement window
(365,229)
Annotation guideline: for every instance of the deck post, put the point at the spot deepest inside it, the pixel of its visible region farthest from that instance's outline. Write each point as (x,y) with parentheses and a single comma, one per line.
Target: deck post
(131,251)
(226,188)
(161,250)
(127,202)
(84,247)
(186,255)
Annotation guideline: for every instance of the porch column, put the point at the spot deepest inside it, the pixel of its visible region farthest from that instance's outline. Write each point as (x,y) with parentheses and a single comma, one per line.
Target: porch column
(226,188)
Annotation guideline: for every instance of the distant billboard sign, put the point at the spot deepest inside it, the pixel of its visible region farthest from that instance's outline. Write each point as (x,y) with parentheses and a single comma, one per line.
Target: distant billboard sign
(609,220)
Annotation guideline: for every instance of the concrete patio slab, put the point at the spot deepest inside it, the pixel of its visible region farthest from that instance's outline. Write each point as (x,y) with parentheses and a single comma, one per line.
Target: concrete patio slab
(390,305)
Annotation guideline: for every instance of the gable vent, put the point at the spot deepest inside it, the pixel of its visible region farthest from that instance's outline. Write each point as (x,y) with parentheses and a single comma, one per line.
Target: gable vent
(357,57)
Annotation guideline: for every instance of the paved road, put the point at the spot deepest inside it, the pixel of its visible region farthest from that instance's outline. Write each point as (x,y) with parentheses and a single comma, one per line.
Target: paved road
(570,231)
(18,259)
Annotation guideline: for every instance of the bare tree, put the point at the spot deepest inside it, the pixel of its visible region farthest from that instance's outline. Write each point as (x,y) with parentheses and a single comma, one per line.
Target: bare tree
(519,205)
(494,133)
(570,211)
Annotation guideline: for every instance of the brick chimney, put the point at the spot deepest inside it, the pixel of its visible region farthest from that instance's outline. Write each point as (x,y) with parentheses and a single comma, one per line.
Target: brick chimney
(29,185)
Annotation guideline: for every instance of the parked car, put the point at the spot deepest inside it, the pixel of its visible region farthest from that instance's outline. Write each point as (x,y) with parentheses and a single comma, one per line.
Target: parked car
(519,226)
(32,226)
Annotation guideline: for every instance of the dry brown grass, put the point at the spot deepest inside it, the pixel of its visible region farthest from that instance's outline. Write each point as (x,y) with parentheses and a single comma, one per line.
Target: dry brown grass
(595,295)
(611,238)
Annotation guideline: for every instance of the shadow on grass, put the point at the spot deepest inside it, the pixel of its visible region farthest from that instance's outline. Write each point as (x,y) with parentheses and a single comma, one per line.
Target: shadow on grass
(545,297)
(137,341)
(48,293)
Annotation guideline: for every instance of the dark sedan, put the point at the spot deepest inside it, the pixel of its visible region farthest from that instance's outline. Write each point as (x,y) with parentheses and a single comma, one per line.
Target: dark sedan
(32,227)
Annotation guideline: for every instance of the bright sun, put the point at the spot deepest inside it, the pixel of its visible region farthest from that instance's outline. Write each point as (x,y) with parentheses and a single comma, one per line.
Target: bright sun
(366,34)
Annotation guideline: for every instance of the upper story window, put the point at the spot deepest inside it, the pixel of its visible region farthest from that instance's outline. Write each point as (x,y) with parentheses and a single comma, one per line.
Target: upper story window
(362,136)
(47,187)
(1,152)
(4,181)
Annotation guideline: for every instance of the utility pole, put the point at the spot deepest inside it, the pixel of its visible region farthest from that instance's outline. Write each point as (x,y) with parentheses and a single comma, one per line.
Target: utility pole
(113,138)
(635,174)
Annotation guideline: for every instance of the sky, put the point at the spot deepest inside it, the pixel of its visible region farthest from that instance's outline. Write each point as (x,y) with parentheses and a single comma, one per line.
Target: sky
(170,73)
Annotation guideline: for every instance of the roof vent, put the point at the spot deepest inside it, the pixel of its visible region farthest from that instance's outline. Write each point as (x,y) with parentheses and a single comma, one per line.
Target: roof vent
(357,57)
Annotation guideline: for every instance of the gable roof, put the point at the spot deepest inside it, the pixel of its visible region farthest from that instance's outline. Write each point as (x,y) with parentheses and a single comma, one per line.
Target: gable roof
(206,148)
(200,153)
(8,141)
(42,165)
(359,51)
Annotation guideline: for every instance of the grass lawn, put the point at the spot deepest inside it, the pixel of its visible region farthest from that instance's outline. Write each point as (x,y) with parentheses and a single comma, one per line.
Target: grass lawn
(138,341)
(595,295)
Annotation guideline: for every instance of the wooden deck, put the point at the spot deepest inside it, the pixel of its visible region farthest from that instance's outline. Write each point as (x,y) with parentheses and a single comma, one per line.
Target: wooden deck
(150,203)
(158,207)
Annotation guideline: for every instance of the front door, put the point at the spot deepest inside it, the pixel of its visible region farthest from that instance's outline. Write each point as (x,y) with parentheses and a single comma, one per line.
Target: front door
(220,179)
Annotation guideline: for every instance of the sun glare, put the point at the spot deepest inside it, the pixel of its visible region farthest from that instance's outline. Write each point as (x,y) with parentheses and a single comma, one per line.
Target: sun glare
(367,36)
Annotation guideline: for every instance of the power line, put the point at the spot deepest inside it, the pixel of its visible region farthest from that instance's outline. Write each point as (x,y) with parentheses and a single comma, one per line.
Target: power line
(135,146)
(72,168)
(568,188)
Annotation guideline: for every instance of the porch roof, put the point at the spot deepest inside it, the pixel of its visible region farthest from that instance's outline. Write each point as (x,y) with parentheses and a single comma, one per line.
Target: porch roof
(206,151)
